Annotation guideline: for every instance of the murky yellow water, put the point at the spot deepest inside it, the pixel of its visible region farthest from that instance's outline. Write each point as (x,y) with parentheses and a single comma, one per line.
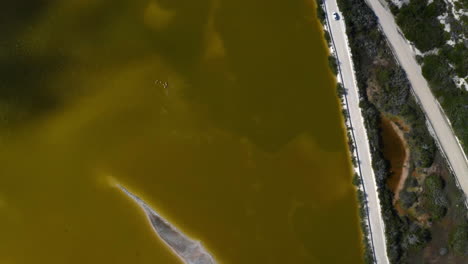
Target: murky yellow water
(394,152)
(243,148)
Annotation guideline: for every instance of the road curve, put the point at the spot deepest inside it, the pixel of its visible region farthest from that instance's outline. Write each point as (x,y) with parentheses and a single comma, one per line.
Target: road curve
(375,221)
(438,122)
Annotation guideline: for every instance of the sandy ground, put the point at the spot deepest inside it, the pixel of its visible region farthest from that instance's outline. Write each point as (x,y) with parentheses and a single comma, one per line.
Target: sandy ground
(188,250)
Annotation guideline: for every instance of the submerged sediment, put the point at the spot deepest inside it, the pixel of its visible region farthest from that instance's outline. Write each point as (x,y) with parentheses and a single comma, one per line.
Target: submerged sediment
(189,251)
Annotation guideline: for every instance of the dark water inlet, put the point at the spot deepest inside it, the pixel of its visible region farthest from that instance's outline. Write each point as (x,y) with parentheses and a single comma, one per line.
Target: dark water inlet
(394,152)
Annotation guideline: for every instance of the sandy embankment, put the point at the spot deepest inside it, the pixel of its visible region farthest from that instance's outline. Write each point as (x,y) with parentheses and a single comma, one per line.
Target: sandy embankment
(188,250)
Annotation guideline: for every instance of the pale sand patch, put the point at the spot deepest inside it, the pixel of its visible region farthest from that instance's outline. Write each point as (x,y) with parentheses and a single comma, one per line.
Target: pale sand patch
(188,250)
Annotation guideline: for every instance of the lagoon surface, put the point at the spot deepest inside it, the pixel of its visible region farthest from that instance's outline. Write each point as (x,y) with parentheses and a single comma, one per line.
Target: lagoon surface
(220,114)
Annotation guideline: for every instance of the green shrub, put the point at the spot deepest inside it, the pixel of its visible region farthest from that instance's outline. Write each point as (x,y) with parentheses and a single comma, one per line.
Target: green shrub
(420,25)
(434,198)
(407,199)
(327,36)
(333,64)
(437,72)
(457,56)
(459,240)
(416,237)
(356,180)
(453,100)
(341,91)
(320,12)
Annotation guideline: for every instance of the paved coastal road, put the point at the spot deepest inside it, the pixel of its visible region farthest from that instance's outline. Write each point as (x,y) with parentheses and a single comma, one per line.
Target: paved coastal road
(441,127)
(338,33)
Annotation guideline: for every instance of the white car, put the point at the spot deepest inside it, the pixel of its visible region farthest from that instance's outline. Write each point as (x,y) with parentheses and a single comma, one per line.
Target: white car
(336,16)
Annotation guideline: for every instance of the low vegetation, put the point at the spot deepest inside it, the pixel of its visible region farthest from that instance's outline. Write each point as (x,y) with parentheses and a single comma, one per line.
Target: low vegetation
(433,197)
(333,64)
(458,241)
(418,21)
(385,91)
(443,61)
